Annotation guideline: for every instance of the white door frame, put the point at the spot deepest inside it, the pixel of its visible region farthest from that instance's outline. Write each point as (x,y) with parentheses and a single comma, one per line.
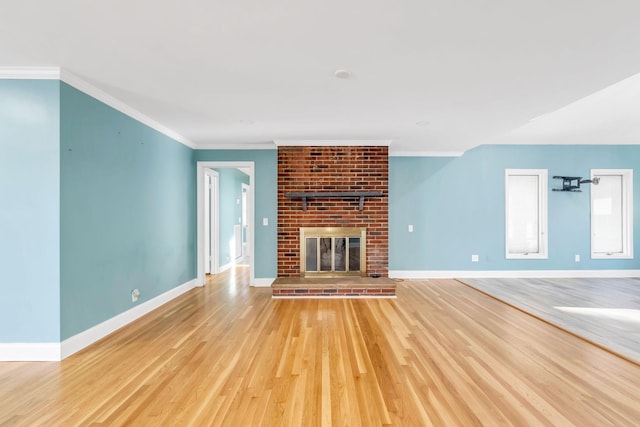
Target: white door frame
(211,223)
(201,166)
(245,200)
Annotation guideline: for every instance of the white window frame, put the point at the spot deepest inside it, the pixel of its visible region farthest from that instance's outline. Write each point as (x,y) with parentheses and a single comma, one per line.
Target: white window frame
(627,214)
(542,176)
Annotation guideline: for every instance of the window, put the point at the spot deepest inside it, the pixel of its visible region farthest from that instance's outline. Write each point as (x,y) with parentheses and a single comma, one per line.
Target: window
(612,213)
(526,213)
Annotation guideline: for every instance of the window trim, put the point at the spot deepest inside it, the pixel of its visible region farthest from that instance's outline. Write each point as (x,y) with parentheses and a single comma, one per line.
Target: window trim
(627,214)
(543,183)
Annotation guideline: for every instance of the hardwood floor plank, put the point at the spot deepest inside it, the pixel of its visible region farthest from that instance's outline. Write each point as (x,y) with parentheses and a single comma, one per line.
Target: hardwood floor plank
(442,354)
(604,311)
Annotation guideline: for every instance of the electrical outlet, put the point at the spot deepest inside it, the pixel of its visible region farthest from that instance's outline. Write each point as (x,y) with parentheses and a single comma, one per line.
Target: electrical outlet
(265,221)
(135,294)
(475,258)
(577,258)
(410,228)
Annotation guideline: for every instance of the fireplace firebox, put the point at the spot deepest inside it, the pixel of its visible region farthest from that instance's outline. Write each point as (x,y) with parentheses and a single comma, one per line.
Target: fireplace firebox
(333,251)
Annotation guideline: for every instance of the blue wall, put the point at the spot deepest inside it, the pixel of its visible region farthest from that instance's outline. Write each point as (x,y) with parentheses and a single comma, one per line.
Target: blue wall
(266,201)
(94,204)
(29,211)
(456,206)
(230,192)
(128,212)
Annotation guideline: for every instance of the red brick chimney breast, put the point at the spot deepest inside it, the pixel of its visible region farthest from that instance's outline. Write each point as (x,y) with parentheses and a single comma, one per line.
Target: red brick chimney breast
(332,169)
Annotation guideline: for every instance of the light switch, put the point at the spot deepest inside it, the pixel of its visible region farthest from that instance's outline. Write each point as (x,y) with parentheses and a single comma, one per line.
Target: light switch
(410,228)
(265,221)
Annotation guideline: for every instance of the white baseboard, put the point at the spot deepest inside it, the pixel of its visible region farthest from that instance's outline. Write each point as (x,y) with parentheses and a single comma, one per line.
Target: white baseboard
(224,267)
(507,274)
(29,352)
(83,339)
(263,282)
(46,352)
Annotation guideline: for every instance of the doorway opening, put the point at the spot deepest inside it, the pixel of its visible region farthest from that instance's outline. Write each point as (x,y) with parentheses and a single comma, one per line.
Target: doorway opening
(244,224)
(240,244)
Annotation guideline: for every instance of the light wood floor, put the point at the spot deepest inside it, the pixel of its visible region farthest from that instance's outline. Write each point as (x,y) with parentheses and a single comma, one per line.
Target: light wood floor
(605,311)
(440,354)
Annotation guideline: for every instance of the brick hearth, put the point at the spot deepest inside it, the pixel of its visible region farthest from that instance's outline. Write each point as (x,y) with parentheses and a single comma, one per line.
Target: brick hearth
(347,287)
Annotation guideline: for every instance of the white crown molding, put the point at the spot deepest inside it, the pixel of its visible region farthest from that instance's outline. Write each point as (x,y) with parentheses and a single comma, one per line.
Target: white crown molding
(55,73)
(332,142)
(510,274)
(29,73)
(400,153)
(85,338)
(102,96)
(238,146)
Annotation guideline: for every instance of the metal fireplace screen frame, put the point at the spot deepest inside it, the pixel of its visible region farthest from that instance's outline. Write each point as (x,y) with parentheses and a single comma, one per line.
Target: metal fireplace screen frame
(333,239)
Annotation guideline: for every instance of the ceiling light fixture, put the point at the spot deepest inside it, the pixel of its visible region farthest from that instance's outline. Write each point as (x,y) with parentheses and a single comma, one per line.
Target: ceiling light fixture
(342,74)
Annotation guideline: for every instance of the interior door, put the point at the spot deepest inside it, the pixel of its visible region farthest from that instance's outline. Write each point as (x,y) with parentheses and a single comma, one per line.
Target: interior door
(245,222)
(210,222)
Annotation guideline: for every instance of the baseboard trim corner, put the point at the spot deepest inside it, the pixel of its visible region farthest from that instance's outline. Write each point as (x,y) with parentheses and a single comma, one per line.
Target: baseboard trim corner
(84,339)
(263,282)
(30,352)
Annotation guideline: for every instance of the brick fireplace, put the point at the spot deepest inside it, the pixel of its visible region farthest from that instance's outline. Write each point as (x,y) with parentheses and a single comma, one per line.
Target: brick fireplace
(341,171)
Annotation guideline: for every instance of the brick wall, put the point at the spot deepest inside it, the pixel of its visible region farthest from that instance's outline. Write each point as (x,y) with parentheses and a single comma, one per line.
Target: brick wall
(314,169)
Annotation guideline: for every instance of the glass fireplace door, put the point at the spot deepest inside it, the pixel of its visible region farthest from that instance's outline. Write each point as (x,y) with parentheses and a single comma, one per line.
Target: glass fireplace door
(336,252)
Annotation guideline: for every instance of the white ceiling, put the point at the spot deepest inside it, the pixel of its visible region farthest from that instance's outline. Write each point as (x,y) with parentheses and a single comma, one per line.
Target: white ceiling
(222,73)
